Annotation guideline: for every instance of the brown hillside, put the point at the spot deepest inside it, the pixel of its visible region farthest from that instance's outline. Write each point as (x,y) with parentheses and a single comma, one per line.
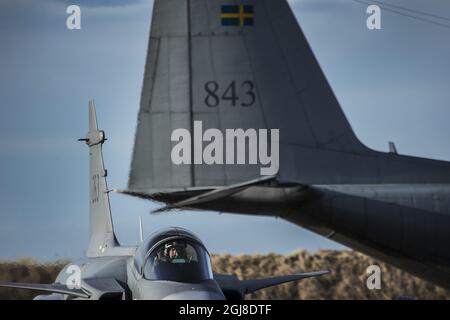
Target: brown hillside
(346,281)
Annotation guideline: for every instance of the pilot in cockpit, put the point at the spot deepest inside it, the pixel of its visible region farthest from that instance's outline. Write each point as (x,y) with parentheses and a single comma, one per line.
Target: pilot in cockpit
(173,252)
(182,260)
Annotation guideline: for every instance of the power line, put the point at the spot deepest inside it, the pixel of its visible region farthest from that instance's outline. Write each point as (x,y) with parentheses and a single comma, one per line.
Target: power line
(407,15)
(411,10)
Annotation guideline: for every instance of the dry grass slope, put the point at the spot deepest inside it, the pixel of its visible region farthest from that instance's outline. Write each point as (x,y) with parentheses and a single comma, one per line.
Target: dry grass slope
(27,270)
(347,280)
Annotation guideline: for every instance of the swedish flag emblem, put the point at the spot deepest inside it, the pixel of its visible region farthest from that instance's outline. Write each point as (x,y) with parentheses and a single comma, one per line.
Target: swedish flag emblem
(237,15)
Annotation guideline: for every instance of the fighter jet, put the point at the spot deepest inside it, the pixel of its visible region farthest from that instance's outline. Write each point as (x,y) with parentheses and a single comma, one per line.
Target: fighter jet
(171,264)
(245,67)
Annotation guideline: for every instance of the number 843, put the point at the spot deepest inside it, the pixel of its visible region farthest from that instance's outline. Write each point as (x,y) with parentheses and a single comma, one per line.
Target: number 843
(215,94)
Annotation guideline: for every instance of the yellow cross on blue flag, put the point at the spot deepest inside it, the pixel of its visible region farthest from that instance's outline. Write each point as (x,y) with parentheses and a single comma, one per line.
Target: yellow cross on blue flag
(237,15)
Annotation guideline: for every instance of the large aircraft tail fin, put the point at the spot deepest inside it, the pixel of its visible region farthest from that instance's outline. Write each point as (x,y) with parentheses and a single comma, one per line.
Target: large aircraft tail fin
(102,235)
(246,65)
(233,65)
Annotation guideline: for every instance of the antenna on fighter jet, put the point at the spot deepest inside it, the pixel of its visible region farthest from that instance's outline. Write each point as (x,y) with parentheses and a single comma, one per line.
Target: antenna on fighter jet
(141,230)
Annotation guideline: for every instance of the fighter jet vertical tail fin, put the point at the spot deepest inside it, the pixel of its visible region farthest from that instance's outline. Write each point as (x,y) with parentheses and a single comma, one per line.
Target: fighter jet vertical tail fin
(102,235)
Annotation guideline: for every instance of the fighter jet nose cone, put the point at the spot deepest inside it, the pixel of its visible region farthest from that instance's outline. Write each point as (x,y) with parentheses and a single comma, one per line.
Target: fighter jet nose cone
(195,295)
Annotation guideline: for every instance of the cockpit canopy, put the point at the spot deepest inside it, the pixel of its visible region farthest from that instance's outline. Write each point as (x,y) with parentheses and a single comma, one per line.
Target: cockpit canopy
(173,254)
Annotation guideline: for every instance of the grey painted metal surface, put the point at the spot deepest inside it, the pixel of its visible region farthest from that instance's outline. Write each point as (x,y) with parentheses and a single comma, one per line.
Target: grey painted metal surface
(390,206)
(189,48)
(102,236)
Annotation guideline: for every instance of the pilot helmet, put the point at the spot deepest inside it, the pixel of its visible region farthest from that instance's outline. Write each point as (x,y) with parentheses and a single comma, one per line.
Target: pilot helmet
(178,246)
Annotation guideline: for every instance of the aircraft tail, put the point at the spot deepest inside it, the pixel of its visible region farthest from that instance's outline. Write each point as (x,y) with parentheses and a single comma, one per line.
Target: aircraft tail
(227,65)
(102,236)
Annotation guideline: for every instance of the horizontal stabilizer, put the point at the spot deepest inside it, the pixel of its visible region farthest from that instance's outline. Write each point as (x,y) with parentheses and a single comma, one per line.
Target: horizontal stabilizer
(215,194)
(53,288)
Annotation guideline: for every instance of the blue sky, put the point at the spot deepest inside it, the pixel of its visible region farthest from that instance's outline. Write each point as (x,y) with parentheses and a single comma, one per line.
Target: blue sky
(392,84)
